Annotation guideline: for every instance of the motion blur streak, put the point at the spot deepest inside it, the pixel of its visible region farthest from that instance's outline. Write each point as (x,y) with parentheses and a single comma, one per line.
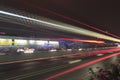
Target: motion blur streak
(66,17)
(19,61)
(80,66)
(58,25)
(80,40)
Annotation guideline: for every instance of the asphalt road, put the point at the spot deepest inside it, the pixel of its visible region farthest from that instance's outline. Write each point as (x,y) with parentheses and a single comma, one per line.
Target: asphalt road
(43,70)
(84,74)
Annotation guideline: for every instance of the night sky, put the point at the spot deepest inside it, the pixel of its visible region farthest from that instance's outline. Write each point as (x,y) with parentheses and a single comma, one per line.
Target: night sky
(103,14)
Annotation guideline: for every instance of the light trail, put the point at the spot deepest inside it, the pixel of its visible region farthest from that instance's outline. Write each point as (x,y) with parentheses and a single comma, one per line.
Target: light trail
(80,66)
(80,40)
(66,17)
(33,74)
(59,26)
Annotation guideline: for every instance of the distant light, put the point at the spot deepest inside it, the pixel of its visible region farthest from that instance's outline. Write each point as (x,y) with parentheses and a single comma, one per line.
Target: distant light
(2,33)
(80,49)
(20,42)
(39,42)
(32,41)
(29,51)
(53,50)
(69,49)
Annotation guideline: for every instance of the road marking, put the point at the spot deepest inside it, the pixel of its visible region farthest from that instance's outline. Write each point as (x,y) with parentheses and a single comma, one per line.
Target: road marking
(19,61)
(80,66)
(100,54)
(74,61)
(48,64)
(19,77)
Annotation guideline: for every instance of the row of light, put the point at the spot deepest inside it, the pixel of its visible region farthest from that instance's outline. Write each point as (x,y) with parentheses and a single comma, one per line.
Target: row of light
(80,40)
(59,26)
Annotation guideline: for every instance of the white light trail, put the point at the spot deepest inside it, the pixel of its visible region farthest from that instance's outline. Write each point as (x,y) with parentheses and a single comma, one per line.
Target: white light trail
(61,26)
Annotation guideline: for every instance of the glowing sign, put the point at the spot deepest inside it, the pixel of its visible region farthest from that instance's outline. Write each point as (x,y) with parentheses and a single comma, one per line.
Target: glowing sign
(54,43)
(31,41)
(41,42)
(5,41)
(20,42)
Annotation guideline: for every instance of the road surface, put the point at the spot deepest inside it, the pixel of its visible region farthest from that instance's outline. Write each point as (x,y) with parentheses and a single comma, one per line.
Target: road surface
(51,68)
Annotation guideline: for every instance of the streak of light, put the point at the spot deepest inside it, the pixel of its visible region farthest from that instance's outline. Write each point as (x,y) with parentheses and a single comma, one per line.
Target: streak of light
(60,26)
(80,66)
(78,40)
(67,18)
(20,61)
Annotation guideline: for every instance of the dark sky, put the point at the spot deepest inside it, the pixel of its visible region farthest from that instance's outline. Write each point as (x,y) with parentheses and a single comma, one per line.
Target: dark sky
(104,14)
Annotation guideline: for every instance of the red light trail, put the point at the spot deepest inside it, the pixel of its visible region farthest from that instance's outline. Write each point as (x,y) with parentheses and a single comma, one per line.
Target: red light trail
(79,67)
(80,40)
(66,17)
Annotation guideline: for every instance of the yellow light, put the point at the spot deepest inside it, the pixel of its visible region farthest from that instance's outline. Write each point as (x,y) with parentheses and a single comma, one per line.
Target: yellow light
(4,42)
(59,26)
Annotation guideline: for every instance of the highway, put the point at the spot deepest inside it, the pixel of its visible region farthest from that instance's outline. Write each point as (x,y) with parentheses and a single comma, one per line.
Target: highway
(55,68)
(49,40)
